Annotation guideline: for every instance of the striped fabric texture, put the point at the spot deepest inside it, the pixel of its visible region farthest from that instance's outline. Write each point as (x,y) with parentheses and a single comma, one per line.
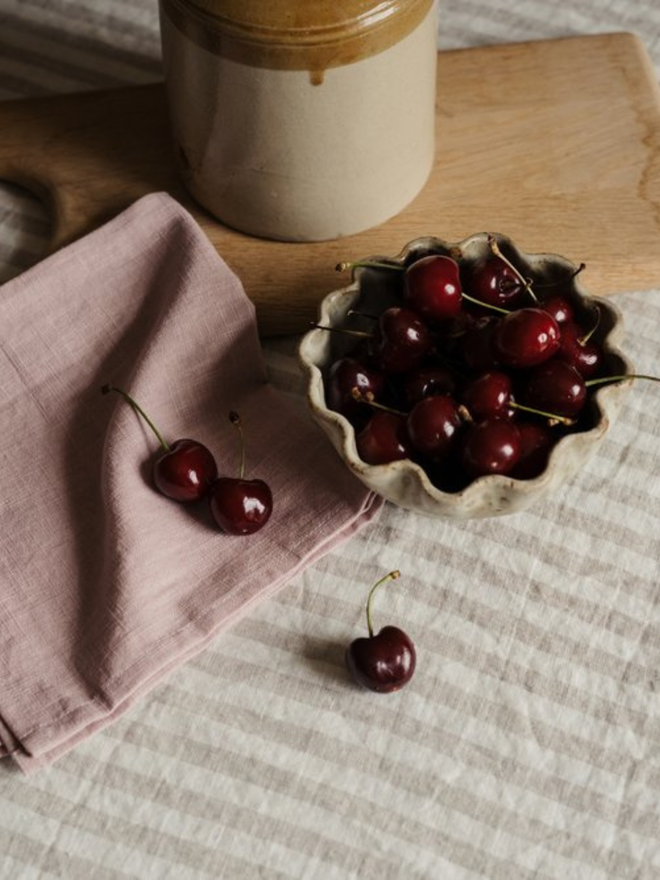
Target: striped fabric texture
(527,744)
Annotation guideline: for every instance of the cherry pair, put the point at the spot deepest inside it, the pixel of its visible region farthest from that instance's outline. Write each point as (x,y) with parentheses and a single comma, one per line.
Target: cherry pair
(185,470)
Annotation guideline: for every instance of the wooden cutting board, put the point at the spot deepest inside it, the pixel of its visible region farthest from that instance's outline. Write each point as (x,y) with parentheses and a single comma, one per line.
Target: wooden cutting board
(555,143)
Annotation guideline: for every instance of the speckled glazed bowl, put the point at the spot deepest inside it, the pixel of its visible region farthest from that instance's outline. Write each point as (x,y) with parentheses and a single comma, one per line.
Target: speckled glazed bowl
(404,482)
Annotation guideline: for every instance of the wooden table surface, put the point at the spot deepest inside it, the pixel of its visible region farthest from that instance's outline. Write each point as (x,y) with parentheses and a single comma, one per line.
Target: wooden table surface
(554,143)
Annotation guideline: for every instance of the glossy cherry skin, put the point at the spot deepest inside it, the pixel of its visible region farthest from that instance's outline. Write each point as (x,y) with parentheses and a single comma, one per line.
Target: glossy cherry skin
(433,425)
(557,388)
(383,662)
(526,338)
(401,341)
(559,307)
(345,375)
(536,441)
(491,447)
(433,288)
(492,281)
(185,471)
(586,357)
(239,506)
(488,396)
(383,439)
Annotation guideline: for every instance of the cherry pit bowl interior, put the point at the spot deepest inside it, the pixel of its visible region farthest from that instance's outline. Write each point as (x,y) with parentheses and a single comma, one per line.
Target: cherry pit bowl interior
(404,482)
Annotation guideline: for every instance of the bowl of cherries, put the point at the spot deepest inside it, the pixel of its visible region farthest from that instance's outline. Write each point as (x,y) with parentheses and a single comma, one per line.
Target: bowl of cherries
(465,380)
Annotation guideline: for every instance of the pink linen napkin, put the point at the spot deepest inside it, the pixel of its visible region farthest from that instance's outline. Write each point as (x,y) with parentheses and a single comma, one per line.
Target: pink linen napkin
(106,584)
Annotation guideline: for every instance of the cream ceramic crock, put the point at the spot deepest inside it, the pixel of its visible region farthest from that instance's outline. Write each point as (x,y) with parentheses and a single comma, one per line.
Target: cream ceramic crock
(300,120)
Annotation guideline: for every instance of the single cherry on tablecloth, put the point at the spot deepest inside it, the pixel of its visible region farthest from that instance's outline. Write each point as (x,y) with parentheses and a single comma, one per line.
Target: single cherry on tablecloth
(238,505)
(384,662)
(185,468)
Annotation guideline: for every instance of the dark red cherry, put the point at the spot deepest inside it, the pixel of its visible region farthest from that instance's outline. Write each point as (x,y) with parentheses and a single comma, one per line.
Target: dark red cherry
(427,382)
(492,281)
(238,505)
(433,288)
(559,307)
(383,439)
(401,342)
(344,376)
(383,662)
(488,396)
(433,425)
(526,338)
(491,447)
(586,356)
(557,388)
(536,441)
(184,469)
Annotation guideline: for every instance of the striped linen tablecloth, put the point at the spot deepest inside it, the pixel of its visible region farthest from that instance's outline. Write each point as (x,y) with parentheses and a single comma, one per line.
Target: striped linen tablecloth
(528,743)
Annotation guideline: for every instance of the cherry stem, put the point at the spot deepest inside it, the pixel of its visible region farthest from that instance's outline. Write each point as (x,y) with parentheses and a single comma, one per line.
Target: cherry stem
(368,398)
(360,334)
(563,420)
(235,419)
(572,275)
(138,409)
(493,245)
(485,305)
(368,264)
(605,379)
(392,576)
(582,340)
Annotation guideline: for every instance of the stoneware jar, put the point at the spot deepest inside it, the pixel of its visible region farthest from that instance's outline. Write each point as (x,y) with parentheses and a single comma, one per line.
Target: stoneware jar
(300,120)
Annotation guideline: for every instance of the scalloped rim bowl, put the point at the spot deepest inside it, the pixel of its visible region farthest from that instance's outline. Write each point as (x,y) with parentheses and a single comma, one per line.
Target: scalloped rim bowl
(404,482)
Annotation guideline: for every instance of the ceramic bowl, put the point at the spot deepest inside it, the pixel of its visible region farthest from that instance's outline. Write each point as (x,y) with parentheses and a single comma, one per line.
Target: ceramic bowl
(404,482)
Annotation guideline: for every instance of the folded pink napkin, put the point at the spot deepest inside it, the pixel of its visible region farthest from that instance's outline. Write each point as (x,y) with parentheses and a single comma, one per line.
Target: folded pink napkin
(106,584)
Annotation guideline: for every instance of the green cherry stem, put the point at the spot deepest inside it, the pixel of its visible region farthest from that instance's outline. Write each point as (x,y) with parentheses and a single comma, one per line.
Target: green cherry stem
(485,305)
(138,409)
(235,419)
(562,420)
(587,336)
(572,275)
(604,379)
(368,264)
(393,575)
(368,398)
(495,249)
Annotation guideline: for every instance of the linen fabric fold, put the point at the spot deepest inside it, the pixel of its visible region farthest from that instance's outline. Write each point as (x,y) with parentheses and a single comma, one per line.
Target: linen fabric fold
(106,585)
